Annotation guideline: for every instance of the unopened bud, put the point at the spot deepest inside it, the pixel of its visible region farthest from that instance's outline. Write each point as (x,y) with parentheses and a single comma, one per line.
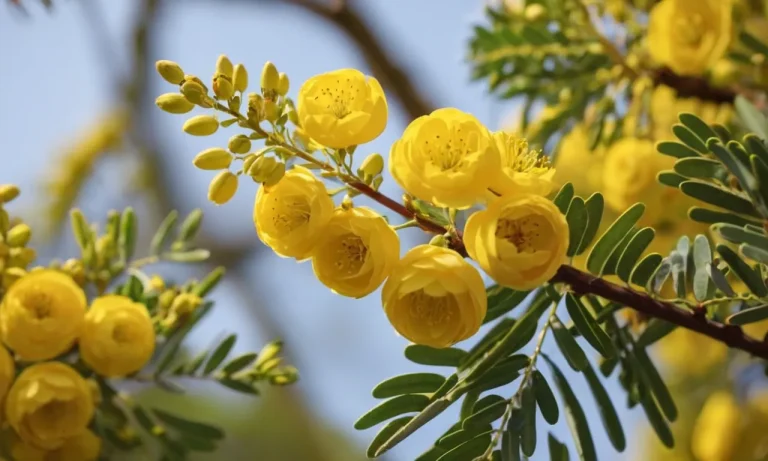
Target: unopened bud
(275,175)
(194,91)
(19,235)
(222,87)
(222,187)
(283,84)
(174,103)
(170,71)
(214,158)
(346,203)
(261,168)
(268,353)
(239,144)
(240,79)
(201,125)
(255,107)
(270,80)
(439,241)
(8,192)
(284,376)
(156,283)
(224,66)
(11,275)
(248,162)
(271,110)
(372,165)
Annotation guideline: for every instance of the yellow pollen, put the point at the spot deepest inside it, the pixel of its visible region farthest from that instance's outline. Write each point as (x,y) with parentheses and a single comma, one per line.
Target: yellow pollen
(521,159)
(339,98)
(350,254)
(288,214)
(448,155)
(521,232)
(433,311)
(38,304)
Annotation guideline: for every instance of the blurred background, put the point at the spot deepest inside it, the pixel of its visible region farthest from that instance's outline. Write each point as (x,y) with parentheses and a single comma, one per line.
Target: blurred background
(71,75)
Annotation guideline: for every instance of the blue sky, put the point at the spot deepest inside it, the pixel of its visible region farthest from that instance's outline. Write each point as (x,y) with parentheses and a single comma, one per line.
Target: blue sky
(53,85)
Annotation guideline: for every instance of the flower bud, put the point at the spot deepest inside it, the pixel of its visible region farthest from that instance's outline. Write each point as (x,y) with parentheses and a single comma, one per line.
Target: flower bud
(21,257)
(283,84)
(19,235)
(239,144)
(194,91)
(248,161)
(723,73)
(255,107)
(439,241)
(535,12)
(377,182)
(8,192)
(275,175)
(224,67)
(222,87)
(222,187)
(240,80)
(156,283)
(372,165)
(201,125)
(11,275)
(170,71)
(215,158)
(185,304)
(271,110)
(270,80)
(174,103)
(284,376)
(261,168)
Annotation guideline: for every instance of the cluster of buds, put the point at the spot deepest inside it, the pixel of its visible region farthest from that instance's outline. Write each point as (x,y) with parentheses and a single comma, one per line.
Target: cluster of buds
(174,306)
(15,256)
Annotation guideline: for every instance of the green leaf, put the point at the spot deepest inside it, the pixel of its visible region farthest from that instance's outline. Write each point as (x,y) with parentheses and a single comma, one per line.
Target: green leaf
(612,237)
(502,373)
(678,267)
(219,354)
(588,327)
(753,43)
(528,432)
(608,365)
(209,282)
(632,252)
(756,147)
(430,455)
(738,151)
(707,216)
(722,132)
(661,275)
(190,225)
(738,169)
(142,417)
(391,408)
(468,450)
(413,383)
(486,410)
(742,270)
(760,167)
(574,415)
(754,253)
(702,257)
(670,178)
(689,138)
(573,353)
(558,451)
(749,315)
(385,433)
(645,269)
(502,302)
(448,384)
(238,363)
(458,437)
(657,421)
(545,398)
(563,198)
(675,149)
(753,119)
(719,197)
(510,446)
(656,384)
(425,355)
(133,288)
(698,126)
(488,340)
(608,413)
(191,256)
(698,167)
(594,205)
(161,236)
(238,386)
(189,427)
(654,330)
(719,279)
(126,242)
(577,219)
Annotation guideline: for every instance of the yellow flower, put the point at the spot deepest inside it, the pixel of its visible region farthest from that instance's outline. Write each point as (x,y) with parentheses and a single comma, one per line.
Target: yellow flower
(689,36)
(342,108)
(522,170)
(49,403)
(42,315)
(520,240)
(577,164)
(7,374)
(689,353)
(665,107)
(434,297)
(356,252)
(447,157)
(717,428)
(118,337)
(84,446)
(291,216)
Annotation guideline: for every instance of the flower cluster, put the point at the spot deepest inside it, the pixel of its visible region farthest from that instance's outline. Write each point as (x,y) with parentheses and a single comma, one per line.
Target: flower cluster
(447,162)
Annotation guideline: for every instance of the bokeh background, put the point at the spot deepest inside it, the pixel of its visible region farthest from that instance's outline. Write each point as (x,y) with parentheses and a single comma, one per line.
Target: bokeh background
(63,71)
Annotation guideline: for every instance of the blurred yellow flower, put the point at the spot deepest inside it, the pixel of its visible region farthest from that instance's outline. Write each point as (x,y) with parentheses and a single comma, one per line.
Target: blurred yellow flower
(716,431)
(7,375)
(42,314)
(447,157)
(291,216)
(520,240)
(356,252)
(84,446)
(342,108)
(118,336)
(577,164)
(665,107)
(434,297)
(689,36)
(687,353)
(48,404)
(522,170)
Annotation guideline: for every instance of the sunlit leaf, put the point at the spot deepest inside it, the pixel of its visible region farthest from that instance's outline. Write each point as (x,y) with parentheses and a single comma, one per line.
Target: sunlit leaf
(391,408)
(413,383)
(612,237)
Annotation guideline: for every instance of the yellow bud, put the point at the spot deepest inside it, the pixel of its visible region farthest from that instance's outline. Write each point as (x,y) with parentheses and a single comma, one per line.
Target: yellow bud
(8,192)
(166,298)
(185,304)
(174,103)
(271,110)
(268,353)
(156,283)
(275,175)
(270,79)
(535,11)
(255,107)
(261,168)
(74,268)
(12,274)
(214,158)
(201,125)
(240,80)
(283,84)
(194,91)
(222,187)
(19,235)
(239,144)
(21,257)
(222,87)
(248,162)
(170,71)
(372,165)
(224,66)
(723,73)
(439,241)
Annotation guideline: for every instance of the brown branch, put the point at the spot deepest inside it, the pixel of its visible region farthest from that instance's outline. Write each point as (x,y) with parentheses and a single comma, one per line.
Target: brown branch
(692,87)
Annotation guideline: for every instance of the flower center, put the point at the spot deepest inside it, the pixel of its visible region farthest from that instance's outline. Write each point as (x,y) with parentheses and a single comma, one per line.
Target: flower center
(290,213)
(528,234)
(339,99)
(691,29)
(431,310)
(124,333)
(38,304)
(518,157)
(350,254)
(450,154)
